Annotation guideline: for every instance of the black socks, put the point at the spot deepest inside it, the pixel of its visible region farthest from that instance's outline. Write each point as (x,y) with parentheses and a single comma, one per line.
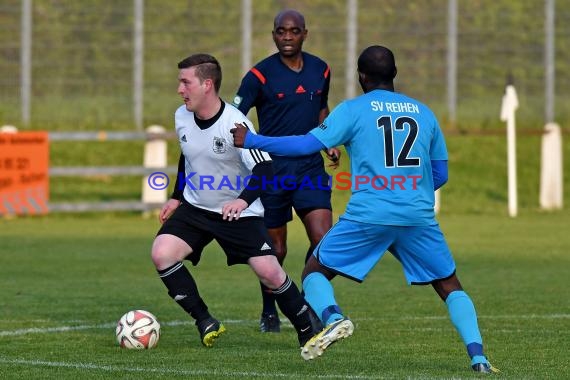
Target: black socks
(182,288)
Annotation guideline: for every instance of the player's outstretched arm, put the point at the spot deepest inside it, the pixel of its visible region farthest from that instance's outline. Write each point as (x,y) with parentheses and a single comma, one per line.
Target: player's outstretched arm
(282,146)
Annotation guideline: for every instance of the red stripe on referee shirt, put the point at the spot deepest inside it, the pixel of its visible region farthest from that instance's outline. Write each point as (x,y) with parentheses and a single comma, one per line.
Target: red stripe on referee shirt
(327,71)
(259,75)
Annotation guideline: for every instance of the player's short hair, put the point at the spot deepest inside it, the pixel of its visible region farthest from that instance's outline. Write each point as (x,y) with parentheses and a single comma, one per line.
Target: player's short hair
(207,67)
(378,64)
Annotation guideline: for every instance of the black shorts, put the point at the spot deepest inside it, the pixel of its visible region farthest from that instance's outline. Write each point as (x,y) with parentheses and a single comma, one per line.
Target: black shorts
(300,183)
(240,239)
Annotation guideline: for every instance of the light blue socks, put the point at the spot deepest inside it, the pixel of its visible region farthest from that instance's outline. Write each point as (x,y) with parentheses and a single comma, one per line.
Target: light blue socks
(319,293)
(464,318)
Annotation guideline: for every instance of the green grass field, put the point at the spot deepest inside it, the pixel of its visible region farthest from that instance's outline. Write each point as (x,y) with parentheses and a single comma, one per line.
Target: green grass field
(66,280)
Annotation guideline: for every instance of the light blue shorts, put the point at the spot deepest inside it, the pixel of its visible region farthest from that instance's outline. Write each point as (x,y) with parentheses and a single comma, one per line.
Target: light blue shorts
(352,249)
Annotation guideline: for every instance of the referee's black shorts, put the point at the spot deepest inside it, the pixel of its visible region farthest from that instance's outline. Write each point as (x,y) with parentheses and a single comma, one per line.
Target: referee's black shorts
(240,239)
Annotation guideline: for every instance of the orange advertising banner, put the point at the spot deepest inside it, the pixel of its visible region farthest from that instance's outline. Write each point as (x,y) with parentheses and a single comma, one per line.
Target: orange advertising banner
(24,173)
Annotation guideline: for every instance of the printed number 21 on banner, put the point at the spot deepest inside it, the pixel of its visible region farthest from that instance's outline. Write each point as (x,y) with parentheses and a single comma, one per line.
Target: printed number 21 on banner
(24,165)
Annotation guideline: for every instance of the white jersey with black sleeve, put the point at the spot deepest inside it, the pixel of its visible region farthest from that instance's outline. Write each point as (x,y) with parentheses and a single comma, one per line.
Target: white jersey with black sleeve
(216,172)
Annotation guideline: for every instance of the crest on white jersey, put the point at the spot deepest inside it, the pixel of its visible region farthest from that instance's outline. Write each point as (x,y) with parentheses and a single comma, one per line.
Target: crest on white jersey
(219,145)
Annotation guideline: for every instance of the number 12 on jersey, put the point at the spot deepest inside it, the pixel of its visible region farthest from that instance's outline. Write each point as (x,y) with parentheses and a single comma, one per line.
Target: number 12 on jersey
(389,128)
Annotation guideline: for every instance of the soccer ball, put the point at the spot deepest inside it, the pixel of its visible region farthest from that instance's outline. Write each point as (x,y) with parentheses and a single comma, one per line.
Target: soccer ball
(138,329)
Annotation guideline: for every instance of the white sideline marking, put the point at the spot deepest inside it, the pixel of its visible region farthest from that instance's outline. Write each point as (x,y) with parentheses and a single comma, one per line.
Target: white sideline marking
(427,317)
(36,330)
(217,373)
(45,330)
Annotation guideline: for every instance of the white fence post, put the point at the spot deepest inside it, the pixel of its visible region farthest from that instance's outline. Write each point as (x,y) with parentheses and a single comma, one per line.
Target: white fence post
(8,129)
(437,205)
(509,106)
(155,158)
(551,168)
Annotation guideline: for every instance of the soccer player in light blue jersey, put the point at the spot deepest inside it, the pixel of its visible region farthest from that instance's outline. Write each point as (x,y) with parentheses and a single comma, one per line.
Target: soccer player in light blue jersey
(398,158)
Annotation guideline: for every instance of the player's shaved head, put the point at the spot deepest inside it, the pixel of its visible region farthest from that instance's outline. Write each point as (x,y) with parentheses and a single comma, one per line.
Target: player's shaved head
(378,66)
(377,62)
(290,14)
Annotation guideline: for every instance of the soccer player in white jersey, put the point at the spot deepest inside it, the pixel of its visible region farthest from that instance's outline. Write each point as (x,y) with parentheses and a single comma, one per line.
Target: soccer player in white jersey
(398,158)
(216,198)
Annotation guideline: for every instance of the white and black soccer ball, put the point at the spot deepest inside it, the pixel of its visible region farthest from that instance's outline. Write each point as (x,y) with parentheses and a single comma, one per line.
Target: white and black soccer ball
(138,329)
